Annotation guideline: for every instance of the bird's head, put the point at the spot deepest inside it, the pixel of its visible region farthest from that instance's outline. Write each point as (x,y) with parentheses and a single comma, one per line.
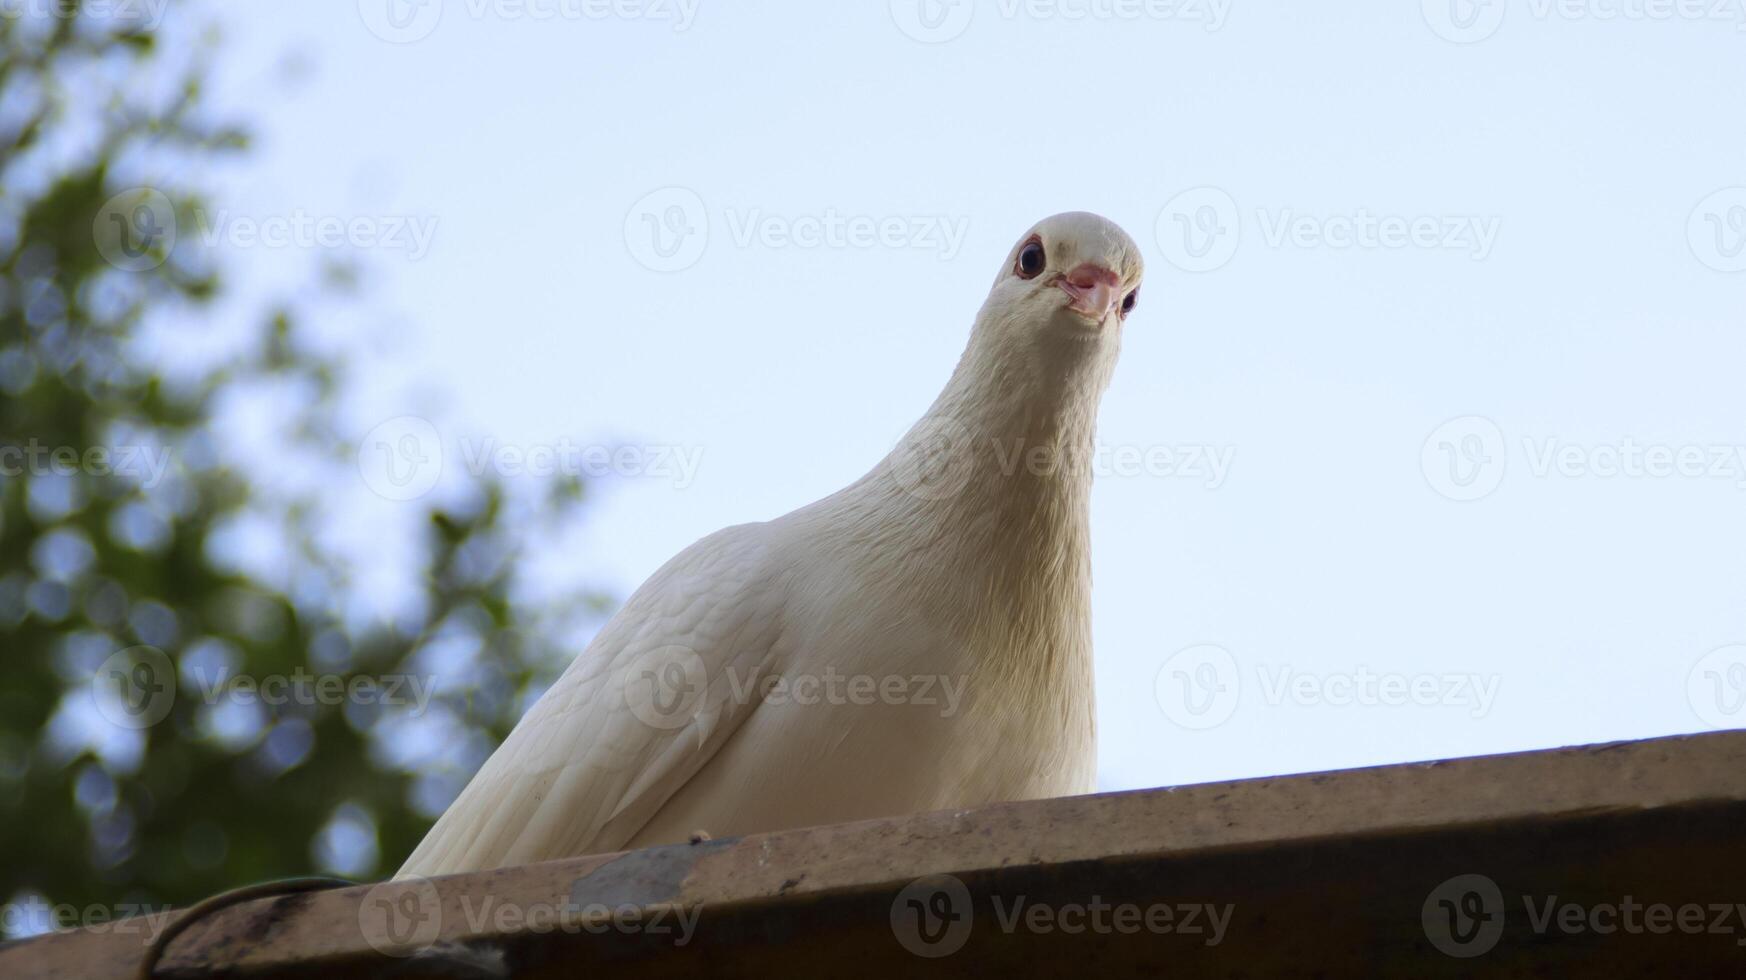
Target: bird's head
(1075,274)
(1045,342)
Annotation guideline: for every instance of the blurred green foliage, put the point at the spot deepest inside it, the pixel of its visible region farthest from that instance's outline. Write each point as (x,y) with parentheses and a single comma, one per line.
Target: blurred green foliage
(93,561)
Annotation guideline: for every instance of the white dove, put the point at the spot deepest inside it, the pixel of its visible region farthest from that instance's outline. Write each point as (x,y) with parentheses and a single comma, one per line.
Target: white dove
(920,640)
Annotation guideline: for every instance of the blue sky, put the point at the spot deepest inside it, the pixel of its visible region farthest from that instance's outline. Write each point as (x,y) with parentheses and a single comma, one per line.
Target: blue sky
(1427,436)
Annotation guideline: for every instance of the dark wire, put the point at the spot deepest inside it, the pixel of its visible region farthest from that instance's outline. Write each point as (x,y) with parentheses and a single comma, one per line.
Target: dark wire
(205,907)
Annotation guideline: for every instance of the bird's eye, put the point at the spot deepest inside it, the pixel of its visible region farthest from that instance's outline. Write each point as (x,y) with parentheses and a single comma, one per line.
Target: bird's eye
(1031,259)
(1128,303)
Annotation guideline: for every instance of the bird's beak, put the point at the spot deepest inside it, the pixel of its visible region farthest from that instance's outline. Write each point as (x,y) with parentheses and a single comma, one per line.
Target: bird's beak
(1092,290)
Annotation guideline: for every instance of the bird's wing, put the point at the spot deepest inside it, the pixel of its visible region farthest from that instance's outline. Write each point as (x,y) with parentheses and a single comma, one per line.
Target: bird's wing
(654,696)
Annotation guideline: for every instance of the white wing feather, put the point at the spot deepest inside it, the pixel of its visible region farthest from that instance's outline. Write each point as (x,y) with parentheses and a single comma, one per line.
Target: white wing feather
(650,701)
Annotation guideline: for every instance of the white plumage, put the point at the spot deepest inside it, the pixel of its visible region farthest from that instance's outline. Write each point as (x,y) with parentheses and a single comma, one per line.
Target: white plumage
(919,640)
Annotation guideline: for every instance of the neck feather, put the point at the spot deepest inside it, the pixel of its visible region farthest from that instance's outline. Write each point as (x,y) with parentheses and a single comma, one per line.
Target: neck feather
(989,492)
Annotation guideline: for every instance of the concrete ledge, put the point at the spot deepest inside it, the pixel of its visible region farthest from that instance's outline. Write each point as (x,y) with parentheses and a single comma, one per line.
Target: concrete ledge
(1623,859)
